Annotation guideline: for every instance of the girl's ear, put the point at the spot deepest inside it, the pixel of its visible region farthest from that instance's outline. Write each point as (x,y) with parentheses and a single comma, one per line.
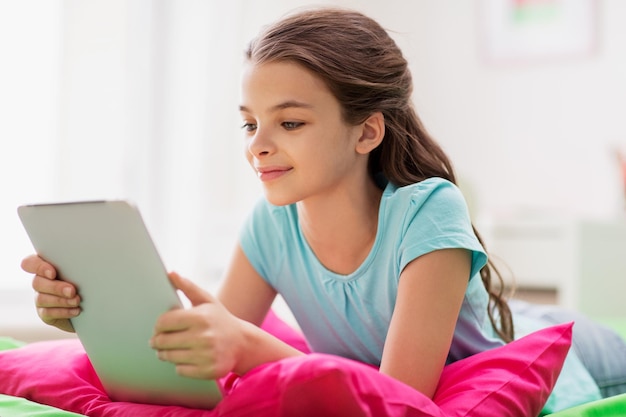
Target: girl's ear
(372,133)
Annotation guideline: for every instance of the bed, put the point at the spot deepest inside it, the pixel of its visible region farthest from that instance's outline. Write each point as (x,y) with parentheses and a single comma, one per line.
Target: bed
(54,378)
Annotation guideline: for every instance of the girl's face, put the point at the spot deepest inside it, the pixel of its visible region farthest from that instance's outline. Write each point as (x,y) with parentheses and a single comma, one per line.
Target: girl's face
(296,139)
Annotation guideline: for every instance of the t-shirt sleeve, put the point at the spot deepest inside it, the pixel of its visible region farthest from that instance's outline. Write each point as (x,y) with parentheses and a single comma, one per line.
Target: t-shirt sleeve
(260,240)
(438,218)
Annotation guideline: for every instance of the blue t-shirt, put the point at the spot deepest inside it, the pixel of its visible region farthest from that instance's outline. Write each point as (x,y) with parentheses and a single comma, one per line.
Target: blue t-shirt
(349,315)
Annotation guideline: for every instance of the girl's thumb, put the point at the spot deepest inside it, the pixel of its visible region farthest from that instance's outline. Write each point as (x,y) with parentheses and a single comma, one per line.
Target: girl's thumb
(193,292)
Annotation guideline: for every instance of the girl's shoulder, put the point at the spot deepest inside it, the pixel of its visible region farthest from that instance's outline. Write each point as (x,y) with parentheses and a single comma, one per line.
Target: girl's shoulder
(429,215)
(265,233)
(432,207)
(432,191)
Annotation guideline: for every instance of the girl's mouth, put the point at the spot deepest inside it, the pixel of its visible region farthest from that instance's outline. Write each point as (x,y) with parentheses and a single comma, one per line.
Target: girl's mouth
(272,173)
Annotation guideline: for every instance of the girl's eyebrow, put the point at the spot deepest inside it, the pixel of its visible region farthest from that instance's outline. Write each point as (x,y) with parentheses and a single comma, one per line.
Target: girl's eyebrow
(281,106)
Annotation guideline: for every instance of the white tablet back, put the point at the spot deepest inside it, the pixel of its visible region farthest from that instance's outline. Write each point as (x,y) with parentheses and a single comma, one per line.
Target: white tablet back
(105,250)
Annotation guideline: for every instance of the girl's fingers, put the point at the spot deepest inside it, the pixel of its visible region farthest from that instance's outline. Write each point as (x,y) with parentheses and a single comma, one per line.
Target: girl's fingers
(51,315)
(52,301)
(170,341)
(56,301)
(54,287)
(35,265)
(196,294)
(190,362)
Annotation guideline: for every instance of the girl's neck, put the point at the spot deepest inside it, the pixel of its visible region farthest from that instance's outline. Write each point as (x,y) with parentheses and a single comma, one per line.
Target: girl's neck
(341,229)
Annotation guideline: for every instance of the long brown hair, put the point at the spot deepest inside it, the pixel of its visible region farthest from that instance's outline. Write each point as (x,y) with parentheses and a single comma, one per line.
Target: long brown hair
(367,73)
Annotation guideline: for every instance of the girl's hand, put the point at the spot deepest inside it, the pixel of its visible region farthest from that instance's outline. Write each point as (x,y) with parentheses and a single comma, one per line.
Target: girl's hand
(56,301)
(204,341)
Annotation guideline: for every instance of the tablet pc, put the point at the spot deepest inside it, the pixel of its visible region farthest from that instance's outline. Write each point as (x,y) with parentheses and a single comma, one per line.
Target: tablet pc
(104,249)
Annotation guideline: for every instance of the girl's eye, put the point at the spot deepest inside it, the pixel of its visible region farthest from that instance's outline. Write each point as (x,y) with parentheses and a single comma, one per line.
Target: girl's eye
(292,125)
(249,127)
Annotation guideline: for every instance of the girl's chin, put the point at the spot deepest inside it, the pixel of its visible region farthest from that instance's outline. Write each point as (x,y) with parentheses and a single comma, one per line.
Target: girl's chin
(278,199)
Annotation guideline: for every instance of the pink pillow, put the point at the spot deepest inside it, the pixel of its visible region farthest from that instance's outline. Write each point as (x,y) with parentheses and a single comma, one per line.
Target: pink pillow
(276,326)
(514,380)
(58,373)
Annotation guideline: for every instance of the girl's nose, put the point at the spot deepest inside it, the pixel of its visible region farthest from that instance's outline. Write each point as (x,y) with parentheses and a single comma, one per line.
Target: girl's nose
(260,144)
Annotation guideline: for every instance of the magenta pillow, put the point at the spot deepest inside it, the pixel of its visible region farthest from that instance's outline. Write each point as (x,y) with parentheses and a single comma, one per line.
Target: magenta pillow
(514,380)
(276,326)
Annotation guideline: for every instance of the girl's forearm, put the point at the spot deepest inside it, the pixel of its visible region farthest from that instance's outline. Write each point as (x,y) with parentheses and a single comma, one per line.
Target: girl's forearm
(260,347)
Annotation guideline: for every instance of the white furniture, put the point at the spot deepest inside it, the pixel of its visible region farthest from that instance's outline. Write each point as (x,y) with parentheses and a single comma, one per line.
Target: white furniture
(584,260)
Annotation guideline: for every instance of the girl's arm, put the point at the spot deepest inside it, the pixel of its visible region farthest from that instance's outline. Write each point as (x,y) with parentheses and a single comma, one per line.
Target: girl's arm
(430,294)
(243,292)
(217,336)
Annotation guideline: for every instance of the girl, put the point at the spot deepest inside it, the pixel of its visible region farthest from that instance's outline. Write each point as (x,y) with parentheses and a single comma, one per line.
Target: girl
(362,229)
